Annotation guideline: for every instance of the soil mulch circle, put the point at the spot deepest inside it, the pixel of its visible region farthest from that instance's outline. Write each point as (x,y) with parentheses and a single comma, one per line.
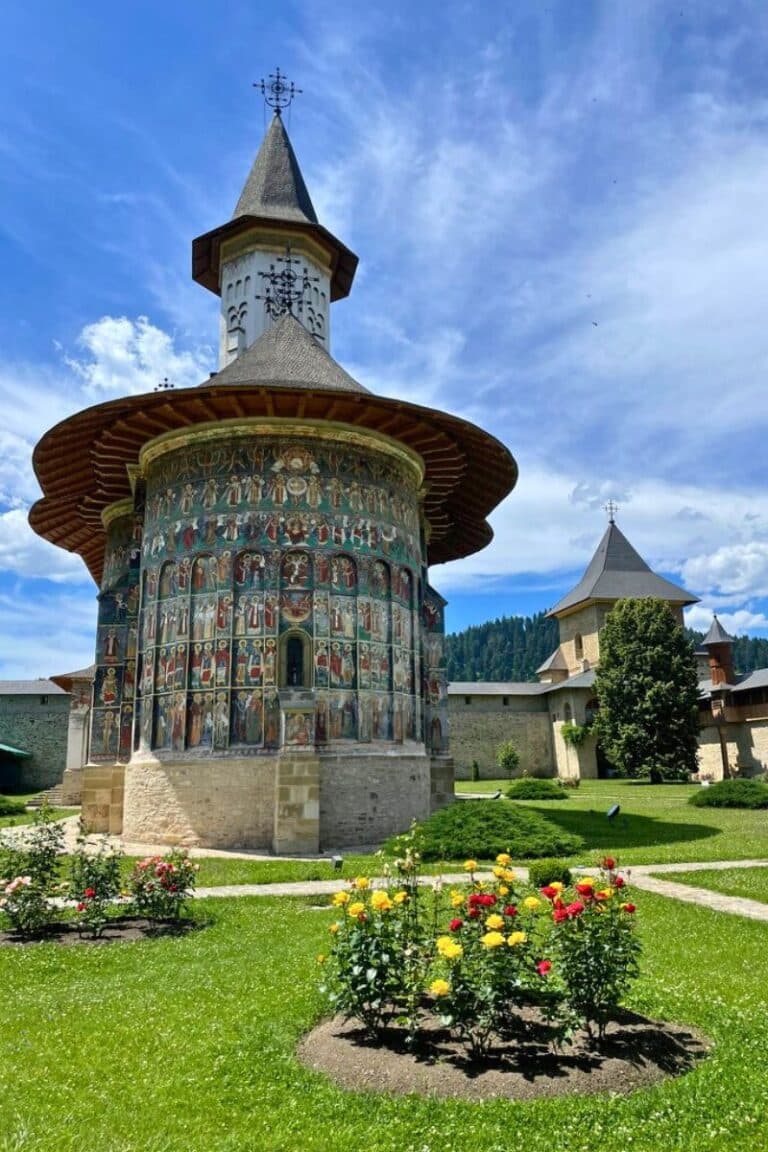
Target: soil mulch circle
(119,930)
(637,1052)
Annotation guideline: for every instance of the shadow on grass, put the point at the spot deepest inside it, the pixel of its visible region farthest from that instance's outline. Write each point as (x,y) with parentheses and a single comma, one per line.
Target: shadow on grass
(630,831)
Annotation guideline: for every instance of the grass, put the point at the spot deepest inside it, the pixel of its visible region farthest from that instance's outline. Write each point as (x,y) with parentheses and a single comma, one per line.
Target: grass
(188,1044)
(29,817)
(751,883)
(656,824)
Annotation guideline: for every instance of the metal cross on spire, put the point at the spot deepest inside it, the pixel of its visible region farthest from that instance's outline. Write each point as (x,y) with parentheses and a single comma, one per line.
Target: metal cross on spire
(287,290)
(277,92)
(611,508)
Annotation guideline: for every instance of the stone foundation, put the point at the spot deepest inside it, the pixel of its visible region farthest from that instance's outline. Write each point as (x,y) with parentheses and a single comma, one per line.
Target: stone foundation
(366,798)
(297,804)
(441,782)
(102,798)
(72,787)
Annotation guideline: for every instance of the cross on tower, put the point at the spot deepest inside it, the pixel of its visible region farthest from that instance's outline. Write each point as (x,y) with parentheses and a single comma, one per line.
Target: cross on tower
(611,509)
(277,92)
(286,290)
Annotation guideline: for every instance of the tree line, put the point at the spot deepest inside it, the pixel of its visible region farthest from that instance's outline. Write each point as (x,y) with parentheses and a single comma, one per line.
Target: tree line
(513,647)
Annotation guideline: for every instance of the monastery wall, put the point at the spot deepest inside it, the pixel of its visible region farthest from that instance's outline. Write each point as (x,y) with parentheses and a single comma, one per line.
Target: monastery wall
(39,725)
(477,729)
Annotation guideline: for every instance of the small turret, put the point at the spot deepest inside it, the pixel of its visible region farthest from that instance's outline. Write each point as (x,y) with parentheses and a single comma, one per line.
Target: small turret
(719,647)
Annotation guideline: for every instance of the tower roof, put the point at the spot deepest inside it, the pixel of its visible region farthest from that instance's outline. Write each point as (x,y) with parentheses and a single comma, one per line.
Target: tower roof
(618,572)
(717,634)
(287,356)
(275,187)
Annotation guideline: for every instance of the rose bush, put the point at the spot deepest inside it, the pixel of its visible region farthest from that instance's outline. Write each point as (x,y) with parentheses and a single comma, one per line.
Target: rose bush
(94,882)
(160,886)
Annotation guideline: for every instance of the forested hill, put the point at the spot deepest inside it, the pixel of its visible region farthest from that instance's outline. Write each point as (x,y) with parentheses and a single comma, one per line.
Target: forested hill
(513,647)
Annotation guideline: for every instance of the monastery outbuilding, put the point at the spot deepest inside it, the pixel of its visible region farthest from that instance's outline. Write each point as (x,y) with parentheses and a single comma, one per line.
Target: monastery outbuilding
(269,655)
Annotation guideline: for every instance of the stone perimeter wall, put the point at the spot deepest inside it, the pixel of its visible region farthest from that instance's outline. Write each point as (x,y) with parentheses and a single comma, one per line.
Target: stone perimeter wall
(477,729)
(42,729)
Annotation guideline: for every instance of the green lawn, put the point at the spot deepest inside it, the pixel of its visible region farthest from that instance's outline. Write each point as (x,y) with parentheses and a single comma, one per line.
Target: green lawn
(656,824)
(187,1045)
(28,817)
(751,883)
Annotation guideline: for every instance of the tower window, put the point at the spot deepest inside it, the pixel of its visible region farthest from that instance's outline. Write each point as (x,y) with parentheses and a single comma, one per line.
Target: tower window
(467,700)
(505,701)
(579,646)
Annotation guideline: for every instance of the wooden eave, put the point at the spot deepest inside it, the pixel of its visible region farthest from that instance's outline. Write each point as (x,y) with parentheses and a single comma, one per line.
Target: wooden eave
(81,464)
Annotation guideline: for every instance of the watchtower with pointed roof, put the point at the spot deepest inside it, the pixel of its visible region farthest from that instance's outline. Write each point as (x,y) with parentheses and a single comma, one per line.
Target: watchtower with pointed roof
(269,658)
(615,572)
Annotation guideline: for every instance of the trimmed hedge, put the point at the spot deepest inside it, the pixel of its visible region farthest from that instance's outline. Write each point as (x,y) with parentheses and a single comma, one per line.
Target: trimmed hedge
(481,829)
(530,788)
(11,807)
(732,794)
(542,872)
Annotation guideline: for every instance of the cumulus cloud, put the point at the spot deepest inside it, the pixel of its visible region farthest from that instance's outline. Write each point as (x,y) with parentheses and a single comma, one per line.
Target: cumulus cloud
(25,554)
(129,356)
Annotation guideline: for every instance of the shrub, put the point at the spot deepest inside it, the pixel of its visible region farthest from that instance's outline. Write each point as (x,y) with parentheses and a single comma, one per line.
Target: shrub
(94,883)
(508,758)
(29,871)
(531,788)
(732,794)
(11,807)
(487,827)
(575,734)
(161,885)
(543,872)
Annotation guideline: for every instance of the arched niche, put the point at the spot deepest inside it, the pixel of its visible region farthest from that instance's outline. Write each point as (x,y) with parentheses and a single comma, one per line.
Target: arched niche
(294,668)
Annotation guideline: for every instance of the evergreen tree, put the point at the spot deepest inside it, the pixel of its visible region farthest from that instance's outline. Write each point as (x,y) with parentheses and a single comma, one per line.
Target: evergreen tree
(647,692)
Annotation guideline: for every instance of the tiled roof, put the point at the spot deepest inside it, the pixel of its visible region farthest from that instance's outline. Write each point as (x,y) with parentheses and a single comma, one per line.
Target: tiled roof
(275,186)
(495,688)
(717,634)
(30,688)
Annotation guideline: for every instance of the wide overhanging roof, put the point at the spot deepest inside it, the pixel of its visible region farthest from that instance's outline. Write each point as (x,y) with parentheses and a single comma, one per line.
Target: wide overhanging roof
(81,464)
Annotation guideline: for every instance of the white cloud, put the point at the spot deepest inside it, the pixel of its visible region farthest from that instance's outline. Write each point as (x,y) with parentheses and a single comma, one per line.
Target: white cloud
(737,569)
(736,623)
(25,554)
(47,635)
(130,356)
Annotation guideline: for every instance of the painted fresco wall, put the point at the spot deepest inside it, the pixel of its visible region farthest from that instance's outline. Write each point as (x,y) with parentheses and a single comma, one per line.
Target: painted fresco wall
(117,643)
(435,681)
(270,566)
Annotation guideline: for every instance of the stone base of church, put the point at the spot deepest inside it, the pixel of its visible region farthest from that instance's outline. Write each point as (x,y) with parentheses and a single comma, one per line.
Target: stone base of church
(72,787)
(291,802)
(102,797)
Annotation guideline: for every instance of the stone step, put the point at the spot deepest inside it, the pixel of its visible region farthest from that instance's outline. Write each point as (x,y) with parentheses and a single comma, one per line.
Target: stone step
(53,796)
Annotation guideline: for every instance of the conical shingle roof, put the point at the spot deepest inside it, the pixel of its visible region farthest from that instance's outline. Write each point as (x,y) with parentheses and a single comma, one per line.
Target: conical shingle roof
(618,572)
(288,356)
(275,187)
(717,634)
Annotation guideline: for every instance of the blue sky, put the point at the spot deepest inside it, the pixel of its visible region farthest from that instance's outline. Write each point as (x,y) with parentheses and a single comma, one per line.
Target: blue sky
(561,215)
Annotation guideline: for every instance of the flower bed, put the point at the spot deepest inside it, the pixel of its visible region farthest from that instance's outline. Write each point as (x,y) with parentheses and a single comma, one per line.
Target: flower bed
(477,956)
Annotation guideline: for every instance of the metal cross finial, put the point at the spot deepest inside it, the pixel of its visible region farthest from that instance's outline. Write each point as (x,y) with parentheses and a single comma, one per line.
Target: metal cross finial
(277,92)
(164,385)
(288,291)
(611,509)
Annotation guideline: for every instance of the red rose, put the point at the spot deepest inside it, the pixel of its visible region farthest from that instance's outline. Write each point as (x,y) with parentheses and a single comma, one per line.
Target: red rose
(574,909)
(609,863)
(473,899)
(559,915)
(629,908)
(543,967)
(619,881)
(586,890)
(81,907)
(549,892)
(473,914)
(558,902)
(510,910)
(455,924)
(90,893)
(486,900)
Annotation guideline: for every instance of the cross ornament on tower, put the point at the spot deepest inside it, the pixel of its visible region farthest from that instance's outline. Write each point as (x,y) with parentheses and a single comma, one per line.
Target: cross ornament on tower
(611,508)
(287,290)
(277,92)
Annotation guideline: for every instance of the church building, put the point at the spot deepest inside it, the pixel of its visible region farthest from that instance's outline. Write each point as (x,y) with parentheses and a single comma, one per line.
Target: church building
(269,650)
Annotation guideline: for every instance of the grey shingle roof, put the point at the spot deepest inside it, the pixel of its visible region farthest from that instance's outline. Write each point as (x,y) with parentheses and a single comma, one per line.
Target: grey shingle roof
(717,634)
(495,688)
(30,688)
(275,186)
(555,662)
(582,680)
(617,571)
(287,356)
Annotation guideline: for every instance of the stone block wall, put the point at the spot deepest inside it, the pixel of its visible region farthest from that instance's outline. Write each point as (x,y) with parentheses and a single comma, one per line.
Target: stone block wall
(442,782)
(297,804)
(38,724)
(477,730)
(102,798)
(365,799)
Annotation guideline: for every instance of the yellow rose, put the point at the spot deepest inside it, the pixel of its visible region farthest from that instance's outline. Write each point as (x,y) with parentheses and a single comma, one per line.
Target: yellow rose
(470,865)
(556,885)
(340,899)
(362,882)
(587,880)
(504,859)
(503,890)
(457,899)
(492,940)
(321,958)
(448,948)
(494,921)
(400,897)
(439,988)
(333,929)
(381,902)
(516,938)
(531,903)
(509,876)
(356,909)
(606,893)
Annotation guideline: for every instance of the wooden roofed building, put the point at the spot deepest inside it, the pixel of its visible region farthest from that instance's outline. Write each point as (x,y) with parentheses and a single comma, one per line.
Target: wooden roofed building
(269,654)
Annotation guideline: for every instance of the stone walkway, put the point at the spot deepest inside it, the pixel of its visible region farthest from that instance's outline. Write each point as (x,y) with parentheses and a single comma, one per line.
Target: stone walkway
(648,877)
